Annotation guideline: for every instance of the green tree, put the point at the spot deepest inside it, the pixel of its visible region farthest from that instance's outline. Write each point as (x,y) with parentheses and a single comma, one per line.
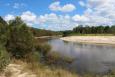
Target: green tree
(113,29)
(2,21)
(94,29)
(107,29)
(3,32)
(20,41)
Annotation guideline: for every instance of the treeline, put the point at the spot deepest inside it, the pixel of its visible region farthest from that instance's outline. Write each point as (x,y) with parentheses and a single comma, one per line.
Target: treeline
(41,32)
(90,30)
(95,29)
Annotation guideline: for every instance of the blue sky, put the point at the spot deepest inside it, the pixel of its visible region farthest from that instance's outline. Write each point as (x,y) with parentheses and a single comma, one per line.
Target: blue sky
(59,14)
(37,6)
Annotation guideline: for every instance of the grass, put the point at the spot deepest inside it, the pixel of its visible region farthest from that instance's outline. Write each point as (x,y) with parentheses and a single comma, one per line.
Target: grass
(75,34)
(42,70)
(8,74)
(45,71)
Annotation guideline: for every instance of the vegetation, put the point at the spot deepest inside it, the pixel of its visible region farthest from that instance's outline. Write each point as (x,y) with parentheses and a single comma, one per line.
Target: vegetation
(95,29)
(4,58)
(18,43)
(41,32)
(91,30)
(3,32)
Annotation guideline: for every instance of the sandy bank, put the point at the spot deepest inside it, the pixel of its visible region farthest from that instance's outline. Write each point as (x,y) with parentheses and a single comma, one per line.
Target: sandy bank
(91,39)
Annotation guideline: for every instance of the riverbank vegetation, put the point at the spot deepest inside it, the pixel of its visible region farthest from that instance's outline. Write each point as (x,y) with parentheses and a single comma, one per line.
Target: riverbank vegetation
(41,32)
(17,42)
(91,30)
(18,46)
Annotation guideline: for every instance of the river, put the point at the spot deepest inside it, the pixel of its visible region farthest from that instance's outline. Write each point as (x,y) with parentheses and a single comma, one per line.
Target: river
(87,57)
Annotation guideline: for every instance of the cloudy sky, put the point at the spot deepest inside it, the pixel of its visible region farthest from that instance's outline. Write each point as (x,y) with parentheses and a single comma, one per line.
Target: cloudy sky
(59,14)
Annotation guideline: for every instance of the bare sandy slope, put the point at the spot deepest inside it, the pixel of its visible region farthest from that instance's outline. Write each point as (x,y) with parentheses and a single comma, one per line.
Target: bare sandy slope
(15,70)
(91,39)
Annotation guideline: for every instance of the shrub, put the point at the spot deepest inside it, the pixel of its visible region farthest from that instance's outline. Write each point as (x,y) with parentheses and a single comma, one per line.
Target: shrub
(33,57)
(56,58)
(20,41)
(43,48)
(4,58)
(3,32)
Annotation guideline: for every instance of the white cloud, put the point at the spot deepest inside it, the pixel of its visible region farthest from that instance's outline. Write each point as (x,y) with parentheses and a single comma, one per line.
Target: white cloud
(79,18)
(65,8)
(29,17)
(56,22)
(18,5)
(82,3)
(98,12)
(48,17)
(55,6)
(68,8)
(47,21)
(9,17)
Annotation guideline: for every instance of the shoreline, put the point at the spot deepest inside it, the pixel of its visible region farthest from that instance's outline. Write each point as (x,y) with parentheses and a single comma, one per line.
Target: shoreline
(106,40)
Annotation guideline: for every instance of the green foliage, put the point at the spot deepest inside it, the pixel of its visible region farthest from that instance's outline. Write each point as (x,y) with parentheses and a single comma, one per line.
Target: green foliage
(44,49)
(20,41)
(57,59)
(40,32)
(113,29)
(2,21)
(16,22)
(94,29)
(4,58)
(3,32)
(32,57)
(66,33)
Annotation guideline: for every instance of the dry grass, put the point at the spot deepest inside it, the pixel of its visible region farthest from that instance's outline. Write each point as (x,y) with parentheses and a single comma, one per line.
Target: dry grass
(8,73)
(45,71)
(40,70)
(37,69)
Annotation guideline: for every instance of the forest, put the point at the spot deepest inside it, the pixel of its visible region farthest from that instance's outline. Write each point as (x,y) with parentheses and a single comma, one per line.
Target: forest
(81,29)
(41,32)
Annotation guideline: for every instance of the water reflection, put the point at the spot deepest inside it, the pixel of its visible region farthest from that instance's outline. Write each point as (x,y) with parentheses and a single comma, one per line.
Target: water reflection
(88,58)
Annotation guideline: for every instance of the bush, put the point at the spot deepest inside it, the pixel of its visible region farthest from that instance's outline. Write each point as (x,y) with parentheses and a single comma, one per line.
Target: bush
(20,41)
(43,48)
(56,58)
(33,57)
(4,58)
(3,32)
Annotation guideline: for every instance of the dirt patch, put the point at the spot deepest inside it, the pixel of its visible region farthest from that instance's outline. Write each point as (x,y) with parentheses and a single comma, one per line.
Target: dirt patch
(15,70)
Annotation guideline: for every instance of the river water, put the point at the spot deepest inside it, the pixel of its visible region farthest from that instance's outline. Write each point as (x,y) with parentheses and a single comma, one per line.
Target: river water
(87,57)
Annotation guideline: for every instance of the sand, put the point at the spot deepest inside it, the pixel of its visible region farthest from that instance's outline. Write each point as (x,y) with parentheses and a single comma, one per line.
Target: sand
(16,70)
(91,39)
